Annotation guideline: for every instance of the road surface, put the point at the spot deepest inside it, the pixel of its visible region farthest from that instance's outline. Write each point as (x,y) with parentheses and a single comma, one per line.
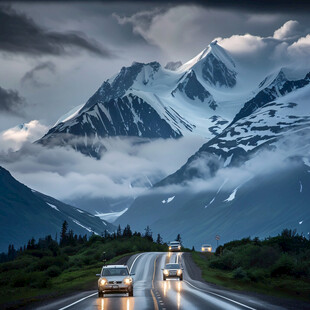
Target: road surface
(151,292)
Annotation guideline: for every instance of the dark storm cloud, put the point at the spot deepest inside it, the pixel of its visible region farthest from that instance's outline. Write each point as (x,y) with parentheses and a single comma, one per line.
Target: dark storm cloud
(11,102)
(31,76)
(273,6)
(20,34)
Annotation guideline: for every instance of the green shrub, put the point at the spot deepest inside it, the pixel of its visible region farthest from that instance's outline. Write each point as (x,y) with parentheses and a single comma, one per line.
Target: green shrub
(75,262)
(46,262)
(53,271)
(239,273)
(39,253)
(284,266)
(257,275)
(70,250)
(21,280)
(224,262)
(301,269)
(39,281)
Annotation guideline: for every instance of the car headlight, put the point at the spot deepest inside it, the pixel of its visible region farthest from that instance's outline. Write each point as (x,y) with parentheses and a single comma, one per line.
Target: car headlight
(179,272)
(179,247)
(103,281)
(166,272)
(170,248)
(128,280)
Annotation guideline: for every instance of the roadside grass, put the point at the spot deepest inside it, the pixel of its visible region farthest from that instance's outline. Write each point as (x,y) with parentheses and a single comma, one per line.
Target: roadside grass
(68,281)
(286,284)
(40,274)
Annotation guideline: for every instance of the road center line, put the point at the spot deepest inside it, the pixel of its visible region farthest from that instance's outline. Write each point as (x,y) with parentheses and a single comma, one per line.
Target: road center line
(154,298)
(218,295)
(78,301)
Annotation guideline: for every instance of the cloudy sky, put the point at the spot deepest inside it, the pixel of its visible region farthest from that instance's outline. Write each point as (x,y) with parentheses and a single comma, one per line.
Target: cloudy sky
(54,55)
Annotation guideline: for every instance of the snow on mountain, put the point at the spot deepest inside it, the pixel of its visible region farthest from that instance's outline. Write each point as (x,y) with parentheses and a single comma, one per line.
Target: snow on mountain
(275,122)
(146,100)
(214,65)
(69,115)
(278,87)
(110,216)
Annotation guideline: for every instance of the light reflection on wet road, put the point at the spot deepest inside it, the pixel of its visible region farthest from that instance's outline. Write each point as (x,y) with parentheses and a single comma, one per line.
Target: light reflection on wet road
(151,292)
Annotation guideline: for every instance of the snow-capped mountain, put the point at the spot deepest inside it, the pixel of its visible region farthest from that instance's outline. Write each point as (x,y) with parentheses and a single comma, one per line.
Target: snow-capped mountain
(229,187)
(279,111)
(278,87)
(149,101)
(25,213)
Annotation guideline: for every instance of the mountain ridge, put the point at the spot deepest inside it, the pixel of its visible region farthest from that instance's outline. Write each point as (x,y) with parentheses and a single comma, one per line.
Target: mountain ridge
(26,213)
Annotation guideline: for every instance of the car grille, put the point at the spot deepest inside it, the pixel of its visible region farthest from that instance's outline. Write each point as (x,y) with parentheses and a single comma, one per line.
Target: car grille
(115,282)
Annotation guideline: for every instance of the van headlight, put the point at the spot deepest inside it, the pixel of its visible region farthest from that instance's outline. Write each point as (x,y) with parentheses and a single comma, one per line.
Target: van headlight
(179,247)
(179,272)
(166,272)
(128,280)
(170,248)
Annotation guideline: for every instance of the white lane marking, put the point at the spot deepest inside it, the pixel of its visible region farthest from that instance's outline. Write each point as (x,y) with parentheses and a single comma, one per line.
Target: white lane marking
(218,295)
(78,301)
(135,261)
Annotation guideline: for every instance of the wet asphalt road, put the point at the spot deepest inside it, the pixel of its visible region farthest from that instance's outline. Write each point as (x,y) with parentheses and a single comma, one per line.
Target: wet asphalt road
(151,292)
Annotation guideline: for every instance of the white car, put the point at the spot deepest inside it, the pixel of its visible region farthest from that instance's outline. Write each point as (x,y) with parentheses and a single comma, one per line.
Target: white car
(115,279)
(174,246)
(206,248)
(172,271)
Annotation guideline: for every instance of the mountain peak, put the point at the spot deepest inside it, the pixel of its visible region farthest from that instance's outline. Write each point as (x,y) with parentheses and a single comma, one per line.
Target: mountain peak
(214,64)
(279,80)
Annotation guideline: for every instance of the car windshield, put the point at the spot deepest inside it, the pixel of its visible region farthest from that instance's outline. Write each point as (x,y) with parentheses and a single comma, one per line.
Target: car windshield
(110,272)
(175,243)
(206,245)
(172,266)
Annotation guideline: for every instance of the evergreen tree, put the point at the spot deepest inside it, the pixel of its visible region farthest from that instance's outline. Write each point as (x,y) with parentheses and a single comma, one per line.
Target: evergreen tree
(178,238)
(106,234)
(11,252)
(119,231)
(70,238)
(31,244)
(63,234)
(127,231)
(159,239)
(148,233)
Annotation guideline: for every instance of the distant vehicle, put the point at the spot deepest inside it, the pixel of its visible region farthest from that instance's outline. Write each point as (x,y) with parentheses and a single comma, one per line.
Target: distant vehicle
(174,246)
(206,248)
(115,279)
(173,271)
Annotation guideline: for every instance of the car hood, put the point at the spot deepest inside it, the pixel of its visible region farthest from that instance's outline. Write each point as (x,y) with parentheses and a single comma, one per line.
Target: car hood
(116,278)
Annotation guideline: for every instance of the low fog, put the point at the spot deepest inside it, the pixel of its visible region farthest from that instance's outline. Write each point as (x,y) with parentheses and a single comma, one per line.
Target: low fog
(286,153)
(125,169)
(128,168)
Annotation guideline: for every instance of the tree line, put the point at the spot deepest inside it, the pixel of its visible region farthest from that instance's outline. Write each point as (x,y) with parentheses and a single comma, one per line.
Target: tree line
(69,238)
